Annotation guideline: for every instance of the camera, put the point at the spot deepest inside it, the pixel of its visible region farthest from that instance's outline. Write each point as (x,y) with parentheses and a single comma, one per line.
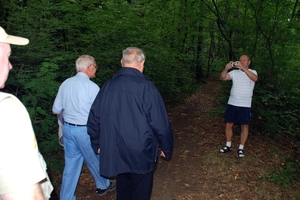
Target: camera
(234,64)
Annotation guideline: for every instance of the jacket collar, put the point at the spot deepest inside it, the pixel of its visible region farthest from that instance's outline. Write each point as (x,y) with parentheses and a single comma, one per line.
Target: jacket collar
(130,71)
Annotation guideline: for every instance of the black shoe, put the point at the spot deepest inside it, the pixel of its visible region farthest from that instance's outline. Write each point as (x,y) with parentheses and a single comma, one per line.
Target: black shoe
(110,188)
(225,149)
(241,153)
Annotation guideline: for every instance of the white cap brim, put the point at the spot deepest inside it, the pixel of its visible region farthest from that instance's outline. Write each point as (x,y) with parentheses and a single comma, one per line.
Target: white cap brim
(11,39)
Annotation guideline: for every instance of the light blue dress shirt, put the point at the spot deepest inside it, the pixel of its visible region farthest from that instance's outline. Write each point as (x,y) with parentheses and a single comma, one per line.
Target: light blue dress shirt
(76,96)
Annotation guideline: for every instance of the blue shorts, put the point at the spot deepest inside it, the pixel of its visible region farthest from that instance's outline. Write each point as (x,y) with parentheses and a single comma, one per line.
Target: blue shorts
(236,114)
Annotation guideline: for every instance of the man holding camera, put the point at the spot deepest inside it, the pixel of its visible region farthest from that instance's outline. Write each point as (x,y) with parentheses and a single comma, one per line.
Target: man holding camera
(238,109)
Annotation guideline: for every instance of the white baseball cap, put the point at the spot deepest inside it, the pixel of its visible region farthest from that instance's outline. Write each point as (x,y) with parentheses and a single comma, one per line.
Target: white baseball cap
(11,39)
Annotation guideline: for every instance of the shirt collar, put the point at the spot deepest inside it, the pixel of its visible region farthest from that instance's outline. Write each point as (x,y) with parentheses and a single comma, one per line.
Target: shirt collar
(81,74)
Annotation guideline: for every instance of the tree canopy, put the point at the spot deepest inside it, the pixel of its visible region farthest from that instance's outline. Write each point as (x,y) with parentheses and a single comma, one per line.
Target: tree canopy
(185,41)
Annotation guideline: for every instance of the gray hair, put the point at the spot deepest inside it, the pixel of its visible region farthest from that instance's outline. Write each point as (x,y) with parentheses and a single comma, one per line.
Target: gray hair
(133,54)
(84,61)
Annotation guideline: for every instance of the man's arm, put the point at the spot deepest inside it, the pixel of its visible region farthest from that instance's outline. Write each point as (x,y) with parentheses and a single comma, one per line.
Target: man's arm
(251,75)
(57,106)
(224,76)
(160,124)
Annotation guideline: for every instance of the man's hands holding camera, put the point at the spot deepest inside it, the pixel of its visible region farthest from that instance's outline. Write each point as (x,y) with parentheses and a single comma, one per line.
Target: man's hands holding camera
(235,64)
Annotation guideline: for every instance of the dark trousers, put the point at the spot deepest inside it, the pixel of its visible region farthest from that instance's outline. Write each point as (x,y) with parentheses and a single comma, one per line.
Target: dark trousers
(134,186)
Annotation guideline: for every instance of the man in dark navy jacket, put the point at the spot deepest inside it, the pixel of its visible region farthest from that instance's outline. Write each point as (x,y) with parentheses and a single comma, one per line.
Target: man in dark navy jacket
(128,121)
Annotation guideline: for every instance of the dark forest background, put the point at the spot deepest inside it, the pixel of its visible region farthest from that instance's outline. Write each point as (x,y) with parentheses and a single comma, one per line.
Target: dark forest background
(185,41)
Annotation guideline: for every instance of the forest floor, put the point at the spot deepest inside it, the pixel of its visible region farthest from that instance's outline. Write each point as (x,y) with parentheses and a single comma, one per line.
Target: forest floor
(198,171)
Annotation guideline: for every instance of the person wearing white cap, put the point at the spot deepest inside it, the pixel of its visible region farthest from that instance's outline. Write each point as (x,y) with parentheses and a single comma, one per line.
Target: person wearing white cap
(23,174)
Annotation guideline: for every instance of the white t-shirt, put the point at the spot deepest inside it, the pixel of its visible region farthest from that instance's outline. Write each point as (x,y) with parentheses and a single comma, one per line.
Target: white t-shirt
(21,163)
(242,88)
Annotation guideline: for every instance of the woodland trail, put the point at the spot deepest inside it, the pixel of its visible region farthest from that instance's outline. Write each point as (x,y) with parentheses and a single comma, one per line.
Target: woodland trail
(197,170)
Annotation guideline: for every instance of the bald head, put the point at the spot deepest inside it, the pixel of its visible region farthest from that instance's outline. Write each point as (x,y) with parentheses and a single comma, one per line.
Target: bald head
(245,61)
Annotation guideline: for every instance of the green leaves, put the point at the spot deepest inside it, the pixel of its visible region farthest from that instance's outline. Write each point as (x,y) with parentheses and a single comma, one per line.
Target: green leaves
(286,174)
(184,41)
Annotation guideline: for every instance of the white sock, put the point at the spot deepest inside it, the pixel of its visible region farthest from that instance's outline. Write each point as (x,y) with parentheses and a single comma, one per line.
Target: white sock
(241,146)
(228,144)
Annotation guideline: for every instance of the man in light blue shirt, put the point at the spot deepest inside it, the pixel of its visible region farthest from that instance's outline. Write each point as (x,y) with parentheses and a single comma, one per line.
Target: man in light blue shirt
(75,96)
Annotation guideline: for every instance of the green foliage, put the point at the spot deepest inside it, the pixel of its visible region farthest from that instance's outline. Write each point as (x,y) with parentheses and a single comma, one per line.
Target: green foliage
(174,81)
(184,41)
(53,153)
(60,31)
(287,173)
(276,111)
(38,99)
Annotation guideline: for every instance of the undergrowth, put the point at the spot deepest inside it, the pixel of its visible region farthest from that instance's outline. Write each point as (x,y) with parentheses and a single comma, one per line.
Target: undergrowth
(286,174)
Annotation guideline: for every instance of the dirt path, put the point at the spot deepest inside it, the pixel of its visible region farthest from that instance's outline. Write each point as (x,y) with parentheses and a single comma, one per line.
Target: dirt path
(198,171)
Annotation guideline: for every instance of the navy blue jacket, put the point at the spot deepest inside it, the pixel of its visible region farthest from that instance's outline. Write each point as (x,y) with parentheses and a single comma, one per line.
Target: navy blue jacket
(128,121)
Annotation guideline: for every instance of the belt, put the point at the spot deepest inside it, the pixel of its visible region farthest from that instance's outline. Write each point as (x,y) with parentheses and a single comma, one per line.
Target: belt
(74,124)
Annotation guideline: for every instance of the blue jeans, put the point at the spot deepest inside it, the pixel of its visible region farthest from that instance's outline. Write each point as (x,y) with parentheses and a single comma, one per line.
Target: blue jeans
(77,146)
